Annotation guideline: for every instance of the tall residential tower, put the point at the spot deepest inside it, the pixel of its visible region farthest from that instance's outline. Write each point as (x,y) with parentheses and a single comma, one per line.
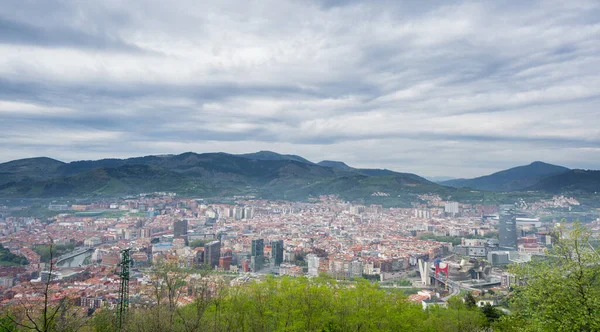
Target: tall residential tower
(277,252)
(508,227)
(258,255)
(212,253)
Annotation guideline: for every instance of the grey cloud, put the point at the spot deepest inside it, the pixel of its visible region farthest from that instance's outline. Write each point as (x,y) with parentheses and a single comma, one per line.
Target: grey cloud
(19,33)
(325,78)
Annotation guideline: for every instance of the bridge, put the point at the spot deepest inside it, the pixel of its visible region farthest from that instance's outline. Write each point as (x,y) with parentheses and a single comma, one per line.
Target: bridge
(72,254)
(465,285)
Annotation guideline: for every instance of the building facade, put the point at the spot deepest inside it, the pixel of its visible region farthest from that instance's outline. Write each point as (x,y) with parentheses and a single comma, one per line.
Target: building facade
(212,253)
(258,255)
(180,228)
(277,252)
(508,227)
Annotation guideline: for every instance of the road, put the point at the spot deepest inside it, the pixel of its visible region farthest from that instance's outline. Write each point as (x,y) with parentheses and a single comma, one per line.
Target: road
(74,258)
(454,291)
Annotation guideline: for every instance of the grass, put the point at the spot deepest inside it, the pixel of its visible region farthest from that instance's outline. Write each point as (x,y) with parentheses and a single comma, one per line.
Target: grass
(114,214)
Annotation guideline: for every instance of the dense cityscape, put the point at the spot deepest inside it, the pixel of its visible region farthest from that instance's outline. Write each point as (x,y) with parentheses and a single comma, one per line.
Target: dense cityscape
(252,239)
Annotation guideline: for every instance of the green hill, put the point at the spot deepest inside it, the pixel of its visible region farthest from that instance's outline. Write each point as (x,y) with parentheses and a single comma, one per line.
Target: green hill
(269,155)
(264,174)
(209,175)
(368,171)
(576,180)
(29,169)
(517,178)
(129,179)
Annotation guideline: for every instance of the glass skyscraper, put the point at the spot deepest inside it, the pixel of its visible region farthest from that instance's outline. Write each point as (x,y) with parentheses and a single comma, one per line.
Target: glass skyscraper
(508,227)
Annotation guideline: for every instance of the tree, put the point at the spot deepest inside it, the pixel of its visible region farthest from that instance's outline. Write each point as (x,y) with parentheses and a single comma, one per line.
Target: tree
(197,243)
(470,301)
(8,258)
(562,291)
(492,314)
(46,315)
(457,317)
(205,291)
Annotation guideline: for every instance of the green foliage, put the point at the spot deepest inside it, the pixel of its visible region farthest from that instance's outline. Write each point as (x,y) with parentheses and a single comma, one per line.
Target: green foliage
(403,282)
(372,277)
(113,214)
(491,313)
(7,323)
(8,258)
(36,211)
(300,304)
(198,243)
(470,300)
(57,250)
(455,240)
(491,235)
(561,292)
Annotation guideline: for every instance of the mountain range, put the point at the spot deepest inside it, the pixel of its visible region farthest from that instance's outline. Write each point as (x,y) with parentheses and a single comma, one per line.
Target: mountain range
(517,178)
(263,174)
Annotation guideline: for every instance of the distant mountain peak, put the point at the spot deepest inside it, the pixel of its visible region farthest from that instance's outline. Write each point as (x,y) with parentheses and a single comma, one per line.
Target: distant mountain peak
(265,174)
(33,159)
(333,164)
(542,163)
(270,155)
(573,180)
(516,178)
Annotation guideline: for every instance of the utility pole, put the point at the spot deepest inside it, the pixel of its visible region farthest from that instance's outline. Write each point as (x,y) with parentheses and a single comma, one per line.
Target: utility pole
(124,290)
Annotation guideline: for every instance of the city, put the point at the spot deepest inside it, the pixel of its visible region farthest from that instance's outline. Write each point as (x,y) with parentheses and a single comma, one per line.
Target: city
(255,238)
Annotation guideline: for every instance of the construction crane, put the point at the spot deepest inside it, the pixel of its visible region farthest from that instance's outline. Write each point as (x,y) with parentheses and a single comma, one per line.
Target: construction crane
(124,264)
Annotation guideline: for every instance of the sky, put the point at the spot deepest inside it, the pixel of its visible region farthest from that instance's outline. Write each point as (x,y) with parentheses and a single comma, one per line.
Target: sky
(437,88)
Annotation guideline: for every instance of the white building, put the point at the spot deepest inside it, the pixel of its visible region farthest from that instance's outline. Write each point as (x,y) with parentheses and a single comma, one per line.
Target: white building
(313,264)
(451,207)
(92,242)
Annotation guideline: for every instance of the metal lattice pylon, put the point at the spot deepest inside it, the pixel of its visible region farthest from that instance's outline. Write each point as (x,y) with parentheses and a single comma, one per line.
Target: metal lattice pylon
(124,264)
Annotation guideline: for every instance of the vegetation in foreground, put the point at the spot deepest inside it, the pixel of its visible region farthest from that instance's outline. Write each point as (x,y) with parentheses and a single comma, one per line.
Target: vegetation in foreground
(301,304)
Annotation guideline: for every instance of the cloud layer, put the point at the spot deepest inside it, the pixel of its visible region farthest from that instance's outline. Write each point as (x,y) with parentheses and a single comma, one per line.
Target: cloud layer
(443,88)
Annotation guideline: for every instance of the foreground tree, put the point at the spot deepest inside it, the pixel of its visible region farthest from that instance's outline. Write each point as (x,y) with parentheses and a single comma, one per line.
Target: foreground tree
(560,292)
(41,313)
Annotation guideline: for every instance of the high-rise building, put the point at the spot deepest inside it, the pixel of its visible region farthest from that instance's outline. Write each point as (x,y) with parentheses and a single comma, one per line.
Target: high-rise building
(277,252)
(258,247)
(355,269)
(180,228)
(313,264)
(451,208)
(248,213)
(508,227)
(238,213)
(257,263)
(212,253)
(258,255)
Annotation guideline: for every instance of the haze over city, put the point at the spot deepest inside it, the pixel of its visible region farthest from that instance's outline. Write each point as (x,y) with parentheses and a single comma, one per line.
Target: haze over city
(440,88)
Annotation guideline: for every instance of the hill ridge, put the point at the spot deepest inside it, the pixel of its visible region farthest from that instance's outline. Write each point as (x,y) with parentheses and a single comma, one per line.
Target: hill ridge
(512,179)
(263,174)
(207,174)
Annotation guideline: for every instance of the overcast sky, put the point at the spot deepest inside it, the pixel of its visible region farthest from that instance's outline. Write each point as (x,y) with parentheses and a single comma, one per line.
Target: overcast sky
(443,88)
